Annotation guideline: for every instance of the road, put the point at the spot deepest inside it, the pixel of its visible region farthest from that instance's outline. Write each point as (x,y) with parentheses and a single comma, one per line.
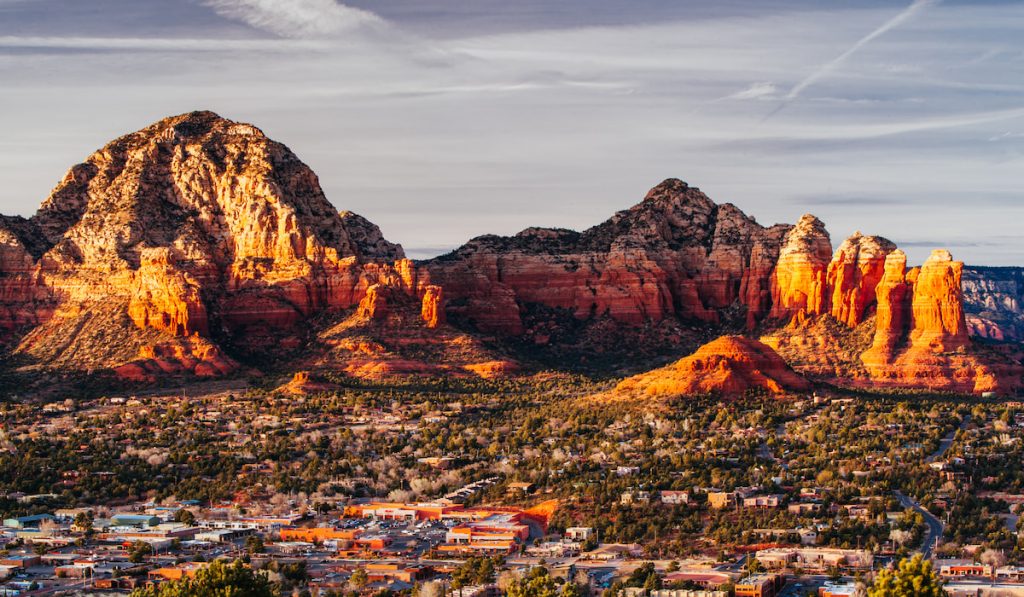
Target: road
(947,441)
(935,526)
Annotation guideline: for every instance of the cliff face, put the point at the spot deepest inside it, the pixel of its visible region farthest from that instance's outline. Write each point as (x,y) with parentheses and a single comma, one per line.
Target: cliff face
(674,254)
(194,226)
(798,283)
(993,299)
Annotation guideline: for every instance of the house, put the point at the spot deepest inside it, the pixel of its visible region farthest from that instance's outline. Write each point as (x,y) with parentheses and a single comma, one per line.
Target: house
(579,534)
(623,471)
(674,498)
(635,497)
(720,500)
(762,501)
(520,488)
(803,508)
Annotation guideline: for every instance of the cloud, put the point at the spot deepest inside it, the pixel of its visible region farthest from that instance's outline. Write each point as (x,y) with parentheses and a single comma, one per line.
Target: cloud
(824,70)
(155,44)
(762,90)
(296,18)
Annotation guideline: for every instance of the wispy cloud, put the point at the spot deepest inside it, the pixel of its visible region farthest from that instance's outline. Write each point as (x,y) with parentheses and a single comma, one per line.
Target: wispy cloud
(157,44)
(826,69)
(296,18)
(762,90)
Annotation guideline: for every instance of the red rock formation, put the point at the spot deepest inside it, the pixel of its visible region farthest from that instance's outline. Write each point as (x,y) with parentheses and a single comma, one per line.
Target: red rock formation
(674,254)
(195,356)
(893,316)
(165,298)
(938,307)
(730,365)
(375,304)
(191,220)
(799,281)
(921,332)
(856,269)
(432,310)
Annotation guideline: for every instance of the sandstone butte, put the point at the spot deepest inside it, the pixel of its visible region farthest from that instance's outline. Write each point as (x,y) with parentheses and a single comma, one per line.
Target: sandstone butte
(728,366)
(198,242)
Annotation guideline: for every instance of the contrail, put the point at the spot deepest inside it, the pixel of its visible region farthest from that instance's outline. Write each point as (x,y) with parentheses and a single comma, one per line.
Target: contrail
(908,13)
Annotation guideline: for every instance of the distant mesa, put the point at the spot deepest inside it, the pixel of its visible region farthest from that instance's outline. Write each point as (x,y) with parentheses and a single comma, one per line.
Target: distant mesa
(199,247)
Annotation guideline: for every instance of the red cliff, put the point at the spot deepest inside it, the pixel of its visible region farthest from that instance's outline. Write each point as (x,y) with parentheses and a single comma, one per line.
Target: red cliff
(675,254)
(853,275)
(798,283)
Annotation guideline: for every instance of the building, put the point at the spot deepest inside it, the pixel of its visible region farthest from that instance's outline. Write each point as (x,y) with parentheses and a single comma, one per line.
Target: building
(762,501)
(391,572)
(579,534)
(674,498)
(134,520)
(706,579)
(319,534)
(27,522)
(759,585)
(837,589)
(961,568)
(224,535)
(815,558)
(497,534)
(719,500)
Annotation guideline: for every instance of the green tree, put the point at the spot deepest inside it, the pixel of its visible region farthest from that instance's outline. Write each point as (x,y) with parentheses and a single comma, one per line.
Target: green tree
(254,544)
(138,552)
(185,517)
(359,578)
(216,580)
(912,578)
(538,583)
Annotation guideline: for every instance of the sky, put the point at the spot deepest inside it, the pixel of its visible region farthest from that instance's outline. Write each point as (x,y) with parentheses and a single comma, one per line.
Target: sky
(440,120)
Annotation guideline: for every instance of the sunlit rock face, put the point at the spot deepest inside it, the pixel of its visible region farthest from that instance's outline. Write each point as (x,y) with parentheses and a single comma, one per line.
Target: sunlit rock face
(729,366)
(193,226)
(197,243)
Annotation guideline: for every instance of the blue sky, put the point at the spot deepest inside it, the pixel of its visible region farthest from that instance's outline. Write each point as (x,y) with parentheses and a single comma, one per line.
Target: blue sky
(444,119)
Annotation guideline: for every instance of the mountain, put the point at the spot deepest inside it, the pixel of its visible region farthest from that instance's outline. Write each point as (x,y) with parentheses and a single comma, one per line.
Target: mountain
(993,298)
(197,246)
(172,247)
(856,315)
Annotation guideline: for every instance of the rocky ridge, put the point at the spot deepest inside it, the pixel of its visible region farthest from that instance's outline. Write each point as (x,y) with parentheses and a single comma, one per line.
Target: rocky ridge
(198,246)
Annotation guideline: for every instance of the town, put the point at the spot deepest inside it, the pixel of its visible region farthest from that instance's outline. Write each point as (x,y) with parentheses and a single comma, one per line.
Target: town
(476,486)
